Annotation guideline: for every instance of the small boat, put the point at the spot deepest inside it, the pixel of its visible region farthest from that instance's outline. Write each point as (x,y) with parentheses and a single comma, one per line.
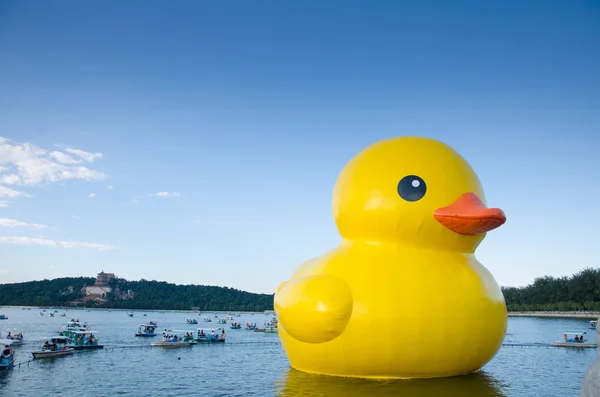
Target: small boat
(7,354)
(153,323)
(271,328)
(84,340)
(145,315)
(41,313)
(235,325)
(207,319)
(250,326)
(51,314)
(146,330)
(63,315)
(3,317)
(191,321)
(130,314)
(16,338)
(221,321)
(593,324)
(58,348)
(169,340)
(210,335)
(575,339)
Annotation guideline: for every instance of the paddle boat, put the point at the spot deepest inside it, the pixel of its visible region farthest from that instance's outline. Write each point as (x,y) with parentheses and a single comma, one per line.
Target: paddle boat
(58,348)
(63,315)
(41,313)
(191,321)
(16,338)
(221,321)
(250,326)
(575,339)
(153,323)
(7,354)
(84,340)
(169,340)
(235,325)
(207,319)
(3,317)
(271,328)
(146,330)
(593,324)
(51,314)
(210,335)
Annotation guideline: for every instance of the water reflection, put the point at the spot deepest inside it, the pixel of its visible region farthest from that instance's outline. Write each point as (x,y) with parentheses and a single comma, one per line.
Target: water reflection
(295,383)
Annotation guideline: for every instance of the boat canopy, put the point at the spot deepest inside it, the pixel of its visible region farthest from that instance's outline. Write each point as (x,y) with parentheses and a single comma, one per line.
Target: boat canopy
(594,322)
(85,332)
(210,329)
(574,333)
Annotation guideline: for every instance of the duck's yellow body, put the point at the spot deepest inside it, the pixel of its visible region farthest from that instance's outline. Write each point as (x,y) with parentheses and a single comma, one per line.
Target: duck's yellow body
(402,296)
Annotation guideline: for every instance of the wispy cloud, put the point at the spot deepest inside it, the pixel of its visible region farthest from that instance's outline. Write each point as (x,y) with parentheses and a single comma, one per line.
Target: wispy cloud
(164,194)
(134,201)
(110,187)
(8,192)
(18,240)
(87,156)
(12,223)
(75,217)
(25,164)
(4,203)
(91,195)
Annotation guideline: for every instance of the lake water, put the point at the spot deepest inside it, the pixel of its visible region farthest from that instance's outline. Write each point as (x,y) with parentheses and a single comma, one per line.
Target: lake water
(240,368)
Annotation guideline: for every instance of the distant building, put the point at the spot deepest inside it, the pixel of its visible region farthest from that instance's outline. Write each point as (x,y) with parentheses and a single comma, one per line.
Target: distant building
(100,289)
(104,278)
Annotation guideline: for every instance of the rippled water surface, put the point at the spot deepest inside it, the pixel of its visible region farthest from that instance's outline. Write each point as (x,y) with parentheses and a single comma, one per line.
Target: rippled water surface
(242,367)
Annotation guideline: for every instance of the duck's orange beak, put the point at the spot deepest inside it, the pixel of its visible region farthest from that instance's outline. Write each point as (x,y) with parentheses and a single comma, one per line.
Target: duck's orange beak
(468,215)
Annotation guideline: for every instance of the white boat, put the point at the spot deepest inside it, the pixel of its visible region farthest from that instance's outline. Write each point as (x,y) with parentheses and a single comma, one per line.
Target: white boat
(7,354)
(58,348)
(146,330)
(16,338)
(575,339)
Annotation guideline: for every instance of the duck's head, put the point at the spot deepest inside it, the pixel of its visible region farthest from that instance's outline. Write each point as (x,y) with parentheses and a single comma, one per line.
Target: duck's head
(413,189)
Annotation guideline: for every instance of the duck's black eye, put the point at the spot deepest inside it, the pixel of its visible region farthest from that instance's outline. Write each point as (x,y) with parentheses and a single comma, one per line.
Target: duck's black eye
(412,188)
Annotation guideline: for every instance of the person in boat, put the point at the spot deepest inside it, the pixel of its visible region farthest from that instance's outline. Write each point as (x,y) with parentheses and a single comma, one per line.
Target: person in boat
(223,335)
(46,346)
(9,336)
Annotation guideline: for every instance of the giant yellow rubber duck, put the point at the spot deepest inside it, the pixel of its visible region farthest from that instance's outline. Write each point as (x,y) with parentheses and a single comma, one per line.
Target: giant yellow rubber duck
(403,295)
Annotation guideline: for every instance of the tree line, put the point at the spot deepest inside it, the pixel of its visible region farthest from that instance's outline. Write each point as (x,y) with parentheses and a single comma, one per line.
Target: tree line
(147,295)
(579,292)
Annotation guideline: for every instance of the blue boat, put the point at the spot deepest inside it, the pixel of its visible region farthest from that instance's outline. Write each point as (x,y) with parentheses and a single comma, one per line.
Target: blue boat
(210,335)
(235,326)
(146,330)
(3,317)
(7,355)
(84,340)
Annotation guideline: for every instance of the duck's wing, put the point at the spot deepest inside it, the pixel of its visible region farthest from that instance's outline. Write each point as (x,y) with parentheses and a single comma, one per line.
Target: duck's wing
(314,309)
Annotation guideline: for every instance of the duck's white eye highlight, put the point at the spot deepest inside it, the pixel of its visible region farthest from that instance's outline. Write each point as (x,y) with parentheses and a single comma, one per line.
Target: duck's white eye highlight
(416,183)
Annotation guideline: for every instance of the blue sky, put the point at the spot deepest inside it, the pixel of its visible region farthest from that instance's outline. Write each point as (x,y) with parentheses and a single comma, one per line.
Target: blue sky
(244,114)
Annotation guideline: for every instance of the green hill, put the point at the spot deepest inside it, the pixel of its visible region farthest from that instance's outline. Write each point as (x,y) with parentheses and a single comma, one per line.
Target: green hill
(580,291)
(126,294)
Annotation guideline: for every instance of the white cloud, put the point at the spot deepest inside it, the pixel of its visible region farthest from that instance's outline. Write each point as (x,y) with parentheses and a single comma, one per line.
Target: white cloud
(75,217)
(33,166)
(165,194)
(17,240)
(8,192)
(87,156)
(3,203)
(63,158)
(12,223)
(134,201)
(91,195)
(110,187)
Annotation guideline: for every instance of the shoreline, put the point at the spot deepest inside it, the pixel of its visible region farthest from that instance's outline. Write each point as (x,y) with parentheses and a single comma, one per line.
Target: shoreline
(583,315)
